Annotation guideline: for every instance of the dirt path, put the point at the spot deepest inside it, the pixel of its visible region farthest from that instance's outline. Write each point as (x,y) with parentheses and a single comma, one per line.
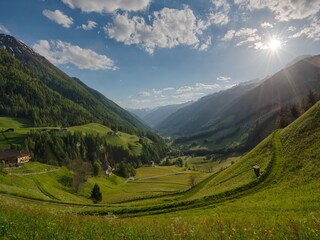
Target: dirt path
(34,173)
(164,175)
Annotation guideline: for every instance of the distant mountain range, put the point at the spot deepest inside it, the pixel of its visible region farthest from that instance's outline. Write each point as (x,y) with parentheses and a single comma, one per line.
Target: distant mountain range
(31,87)
(194,117)
(153,117)
(245,114)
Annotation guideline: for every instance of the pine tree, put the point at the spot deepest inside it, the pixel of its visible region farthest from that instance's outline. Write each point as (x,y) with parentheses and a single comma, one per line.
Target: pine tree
(96,195)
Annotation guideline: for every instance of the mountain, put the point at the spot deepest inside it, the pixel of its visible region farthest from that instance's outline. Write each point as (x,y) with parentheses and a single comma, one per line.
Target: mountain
(240,118)
(153,117)
(297,59)
(192,118)
(47,95)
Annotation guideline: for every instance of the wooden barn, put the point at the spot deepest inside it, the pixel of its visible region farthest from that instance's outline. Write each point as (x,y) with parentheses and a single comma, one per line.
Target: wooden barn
(14,158)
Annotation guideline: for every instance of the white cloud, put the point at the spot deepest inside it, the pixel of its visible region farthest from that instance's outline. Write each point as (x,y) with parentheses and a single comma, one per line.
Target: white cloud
(4,30)
(292,28)
(284,10)
(244,36)
(58,17)
(221,4)
(198,87)
(204,45)
(107,6)
(219,18)
(59,52)
(169,28)
(311,31)
(266,25)
(144,94)
(90,25)
(260,45)
(222,78)
(229,35)
(168,89)
(170,95)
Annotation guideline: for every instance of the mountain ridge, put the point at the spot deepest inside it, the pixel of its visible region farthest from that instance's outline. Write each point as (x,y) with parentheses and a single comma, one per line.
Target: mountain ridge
(250,116)
(100,108)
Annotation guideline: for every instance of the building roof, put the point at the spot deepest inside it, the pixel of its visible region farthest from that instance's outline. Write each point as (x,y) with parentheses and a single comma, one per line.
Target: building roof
(12,154)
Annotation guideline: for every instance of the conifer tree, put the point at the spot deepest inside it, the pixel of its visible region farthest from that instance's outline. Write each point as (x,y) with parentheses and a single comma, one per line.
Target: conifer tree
(96,195)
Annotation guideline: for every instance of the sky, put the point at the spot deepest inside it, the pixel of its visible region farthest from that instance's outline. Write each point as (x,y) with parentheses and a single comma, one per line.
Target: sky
(149,53)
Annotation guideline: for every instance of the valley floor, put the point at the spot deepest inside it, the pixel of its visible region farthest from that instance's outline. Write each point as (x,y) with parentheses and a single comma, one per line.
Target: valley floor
(257,208)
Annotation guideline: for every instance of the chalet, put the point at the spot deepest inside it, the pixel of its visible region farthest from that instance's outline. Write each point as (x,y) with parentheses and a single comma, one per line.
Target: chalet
(9,130)
(109,171)
(63,129)
(14,158)
(112,133)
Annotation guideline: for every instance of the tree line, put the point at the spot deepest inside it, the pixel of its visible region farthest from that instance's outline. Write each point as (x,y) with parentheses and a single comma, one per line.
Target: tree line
(65,149)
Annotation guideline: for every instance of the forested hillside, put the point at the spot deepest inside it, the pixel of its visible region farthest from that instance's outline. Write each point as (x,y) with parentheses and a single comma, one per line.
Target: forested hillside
(240,120)
(94,106)
(23,95)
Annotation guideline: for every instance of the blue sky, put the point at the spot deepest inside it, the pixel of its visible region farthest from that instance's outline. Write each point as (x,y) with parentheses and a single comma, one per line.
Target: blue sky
(148,53)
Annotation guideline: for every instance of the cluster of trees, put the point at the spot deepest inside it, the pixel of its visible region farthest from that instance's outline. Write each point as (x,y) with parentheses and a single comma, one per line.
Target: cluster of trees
(69,149)
(288,114)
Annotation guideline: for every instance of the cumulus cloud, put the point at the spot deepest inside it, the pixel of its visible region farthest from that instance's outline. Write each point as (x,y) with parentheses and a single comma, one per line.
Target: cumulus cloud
(107,6)
(89,26)
(222,78)
(4,30)
(219,18)
(221,4)
(58,17)
(59,52)
(266,25)
(168,28)
(284,10)
(311,31)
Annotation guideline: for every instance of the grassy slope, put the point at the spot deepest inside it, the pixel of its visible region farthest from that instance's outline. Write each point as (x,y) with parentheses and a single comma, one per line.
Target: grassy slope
(17,137)
(22,127)
(283,206)
(125,140)
(49,183)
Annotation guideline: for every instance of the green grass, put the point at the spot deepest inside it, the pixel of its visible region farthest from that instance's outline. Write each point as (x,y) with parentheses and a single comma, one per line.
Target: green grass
(22,127)
(283,203)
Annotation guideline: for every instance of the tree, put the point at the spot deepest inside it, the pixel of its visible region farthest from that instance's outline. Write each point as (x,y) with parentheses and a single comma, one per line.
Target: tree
(192,180)
(96,195)
(81,172)
(179,162)
(96,168)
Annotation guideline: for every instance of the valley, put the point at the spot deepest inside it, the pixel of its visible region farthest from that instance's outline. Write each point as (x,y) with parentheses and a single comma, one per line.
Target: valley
(240,163)
(232,198)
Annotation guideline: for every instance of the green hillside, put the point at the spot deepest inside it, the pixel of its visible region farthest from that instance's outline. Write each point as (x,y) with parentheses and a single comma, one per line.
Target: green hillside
(237,119)
(33,88)
(283,203)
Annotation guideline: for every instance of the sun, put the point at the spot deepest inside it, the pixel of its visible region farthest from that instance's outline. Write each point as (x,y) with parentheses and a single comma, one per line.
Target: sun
(274,44)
